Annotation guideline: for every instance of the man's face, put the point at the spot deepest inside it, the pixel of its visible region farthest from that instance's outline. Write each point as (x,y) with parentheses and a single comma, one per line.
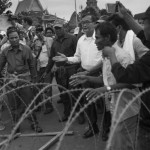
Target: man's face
(39,34)
(13,38)
(49,33)
(100,41)
(59,31)
(87,24)
(147,29)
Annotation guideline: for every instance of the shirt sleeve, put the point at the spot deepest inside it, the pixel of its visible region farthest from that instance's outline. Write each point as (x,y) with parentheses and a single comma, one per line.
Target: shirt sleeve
(139,48)
(74,44)
(31,63)
(138,72)
(50,61)
(2,60)
(77,56)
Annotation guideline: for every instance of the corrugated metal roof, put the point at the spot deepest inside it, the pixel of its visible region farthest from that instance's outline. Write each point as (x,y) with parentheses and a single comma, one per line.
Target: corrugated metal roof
(139,16)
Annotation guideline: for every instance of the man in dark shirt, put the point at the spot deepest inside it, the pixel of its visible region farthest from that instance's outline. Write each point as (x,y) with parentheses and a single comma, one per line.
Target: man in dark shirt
(66,44)
(139,72)
(19,65)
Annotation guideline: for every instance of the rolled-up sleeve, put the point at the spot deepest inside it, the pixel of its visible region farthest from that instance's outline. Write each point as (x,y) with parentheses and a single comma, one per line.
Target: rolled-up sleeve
(77,56)
(31,63)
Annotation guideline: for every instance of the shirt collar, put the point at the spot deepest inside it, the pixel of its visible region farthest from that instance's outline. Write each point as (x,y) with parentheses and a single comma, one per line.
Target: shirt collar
(93,36)
(20,47)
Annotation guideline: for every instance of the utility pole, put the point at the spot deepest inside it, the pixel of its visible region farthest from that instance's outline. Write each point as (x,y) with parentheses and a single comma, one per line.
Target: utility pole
(76,14)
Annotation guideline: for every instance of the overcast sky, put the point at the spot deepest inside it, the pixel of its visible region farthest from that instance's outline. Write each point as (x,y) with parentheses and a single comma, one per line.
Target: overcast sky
(64,8)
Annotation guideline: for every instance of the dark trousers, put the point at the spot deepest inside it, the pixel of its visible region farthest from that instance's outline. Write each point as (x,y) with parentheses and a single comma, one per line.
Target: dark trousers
(91,110)
(106,121)
(18,101)
(62,78)
(48,91)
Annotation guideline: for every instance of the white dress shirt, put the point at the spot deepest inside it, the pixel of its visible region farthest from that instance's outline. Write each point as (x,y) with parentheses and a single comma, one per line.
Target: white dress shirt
(86,53)
(124,58)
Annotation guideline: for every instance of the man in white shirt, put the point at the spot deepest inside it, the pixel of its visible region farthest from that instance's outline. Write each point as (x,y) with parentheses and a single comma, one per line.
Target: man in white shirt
(88,55)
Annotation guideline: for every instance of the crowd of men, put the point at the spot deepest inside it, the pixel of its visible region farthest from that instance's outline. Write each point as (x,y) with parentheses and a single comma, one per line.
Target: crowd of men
(109,53)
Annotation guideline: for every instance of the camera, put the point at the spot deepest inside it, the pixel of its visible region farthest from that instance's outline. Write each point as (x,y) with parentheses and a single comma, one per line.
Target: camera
(112,7)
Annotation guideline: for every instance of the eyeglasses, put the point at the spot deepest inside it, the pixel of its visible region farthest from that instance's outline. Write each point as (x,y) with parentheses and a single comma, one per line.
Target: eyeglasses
(86,22)
(49,32)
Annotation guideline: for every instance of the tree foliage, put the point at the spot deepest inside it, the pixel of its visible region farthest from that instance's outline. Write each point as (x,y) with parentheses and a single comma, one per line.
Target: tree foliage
(4,4)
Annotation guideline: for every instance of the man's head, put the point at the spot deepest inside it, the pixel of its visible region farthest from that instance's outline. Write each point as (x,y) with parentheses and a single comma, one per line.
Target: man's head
(118,22)
(105,34)
(59,29)
(88,23)
(26,22)
(13,36)
(39,31)
(147,24)
(49,32)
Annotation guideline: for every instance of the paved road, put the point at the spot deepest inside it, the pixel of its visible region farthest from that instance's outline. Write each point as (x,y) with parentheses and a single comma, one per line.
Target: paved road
(50,123)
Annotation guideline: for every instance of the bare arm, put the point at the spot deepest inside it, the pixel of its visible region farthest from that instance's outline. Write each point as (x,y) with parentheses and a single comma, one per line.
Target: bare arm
(136,27)
(98,91)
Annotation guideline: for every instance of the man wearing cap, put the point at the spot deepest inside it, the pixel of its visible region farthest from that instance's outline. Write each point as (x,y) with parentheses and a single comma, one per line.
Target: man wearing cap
(138,72)
(91,60)
(66,44)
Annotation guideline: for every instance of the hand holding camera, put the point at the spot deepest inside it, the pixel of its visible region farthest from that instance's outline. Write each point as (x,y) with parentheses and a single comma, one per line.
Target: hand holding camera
(113,7)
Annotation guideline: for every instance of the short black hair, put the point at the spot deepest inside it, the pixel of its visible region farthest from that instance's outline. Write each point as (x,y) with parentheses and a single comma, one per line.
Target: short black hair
(94,18)
(12,29)
(116,20)
(28,20)
(107,29)
(39,28)
(49,28)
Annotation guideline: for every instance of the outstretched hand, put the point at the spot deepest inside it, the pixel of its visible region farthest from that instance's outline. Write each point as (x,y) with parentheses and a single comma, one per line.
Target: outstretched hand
(78,79)
(60,58)
(93,93)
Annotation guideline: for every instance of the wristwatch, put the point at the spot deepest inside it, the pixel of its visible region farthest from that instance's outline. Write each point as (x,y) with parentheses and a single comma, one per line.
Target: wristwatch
(108,88)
